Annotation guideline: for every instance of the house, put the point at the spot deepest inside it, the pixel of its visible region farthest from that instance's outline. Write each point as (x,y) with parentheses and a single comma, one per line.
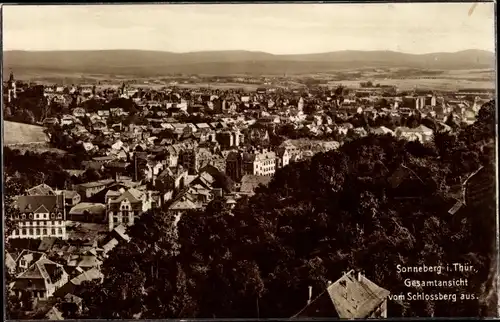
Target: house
(184,202)
(229,138)
(71,198)
(152,170)
(41,280)
(171,180)
(23,260)
(195,158)
(420,133)
(87,190)
(283,157)
(172,156)
(41,190)
(85,261)
(88,212)
(126,206)
(353,296)
(71,286)
(262,163)
(40,216)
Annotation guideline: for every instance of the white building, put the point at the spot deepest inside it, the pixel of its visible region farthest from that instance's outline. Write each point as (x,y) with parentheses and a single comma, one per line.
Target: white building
(126,206)
(40,216)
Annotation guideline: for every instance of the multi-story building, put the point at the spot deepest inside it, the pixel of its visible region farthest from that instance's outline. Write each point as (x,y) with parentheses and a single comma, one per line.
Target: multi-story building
(229,138)
(233,165)
(125,207)
(261,163)
(194,159)
(414,103)
(40,216)
(283,156)
(171,156)
(11,88)
(41,280)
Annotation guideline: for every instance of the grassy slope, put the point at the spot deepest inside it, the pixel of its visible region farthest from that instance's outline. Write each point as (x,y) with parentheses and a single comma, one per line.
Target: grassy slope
(19,133)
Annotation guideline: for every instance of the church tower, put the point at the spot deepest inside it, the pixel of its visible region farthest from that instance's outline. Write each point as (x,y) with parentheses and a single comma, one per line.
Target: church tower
(11,88)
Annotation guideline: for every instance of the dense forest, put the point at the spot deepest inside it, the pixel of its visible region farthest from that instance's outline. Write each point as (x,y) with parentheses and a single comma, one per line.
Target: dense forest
(373,204)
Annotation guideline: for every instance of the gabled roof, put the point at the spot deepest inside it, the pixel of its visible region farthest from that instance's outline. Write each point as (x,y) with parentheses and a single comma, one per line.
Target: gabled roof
(40,190)
(132,195)
(36,255)
(33,203)
(91,274)
(37,275)
(350,296)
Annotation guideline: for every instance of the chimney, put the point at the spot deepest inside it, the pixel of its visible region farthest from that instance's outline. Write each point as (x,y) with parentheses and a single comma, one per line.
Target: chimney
(310,295)
(360,276)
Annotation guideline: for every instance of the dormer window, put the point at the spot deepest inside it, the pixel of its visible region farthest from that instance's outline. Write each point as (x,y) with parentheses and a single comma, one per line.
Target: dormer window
(52,216)
(23,216)
(59,216)
(31,216)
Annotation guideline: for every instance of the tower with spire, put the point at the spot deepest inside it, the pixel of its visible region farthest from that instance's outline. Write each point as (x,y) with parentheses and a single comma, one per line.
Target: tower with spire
(11,87)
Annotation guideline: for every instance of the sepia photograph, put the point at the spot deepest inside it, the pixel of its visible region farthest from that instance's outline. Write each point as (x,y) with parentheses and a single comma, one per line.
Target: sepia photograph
(249,161)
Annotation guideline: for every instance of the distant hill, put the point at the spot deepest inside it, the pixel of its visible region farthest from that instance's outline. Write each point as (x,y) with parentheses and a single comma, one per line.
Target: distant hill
(157,63)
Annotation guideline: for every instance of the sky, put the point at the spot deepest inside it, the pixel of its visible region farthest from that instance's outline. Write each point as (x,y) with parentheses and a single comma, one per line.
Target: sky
(274,28)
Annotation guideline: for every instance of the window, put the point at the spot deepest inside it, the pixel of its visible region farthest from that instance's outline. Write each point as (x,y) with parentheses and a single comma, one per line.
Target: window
(60,231)
(31,231)
(38,231)
(23,216)
(16,216)
(36,216)
(59,216)
(45,231)
(125,219)
(23,262)
(31,216)
(53,223)
(23,231)
(52,216)
(53,231)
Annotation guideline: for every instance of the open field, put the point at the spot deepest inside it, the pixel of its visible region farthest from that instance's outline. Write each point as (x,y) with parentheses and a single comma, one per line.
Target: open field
(444,84)
(22,134)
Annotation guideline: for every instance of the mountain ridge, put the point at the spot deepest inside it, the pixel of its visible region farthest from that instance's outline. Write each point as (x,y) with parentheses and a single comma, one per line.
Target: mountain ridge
(147,62)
